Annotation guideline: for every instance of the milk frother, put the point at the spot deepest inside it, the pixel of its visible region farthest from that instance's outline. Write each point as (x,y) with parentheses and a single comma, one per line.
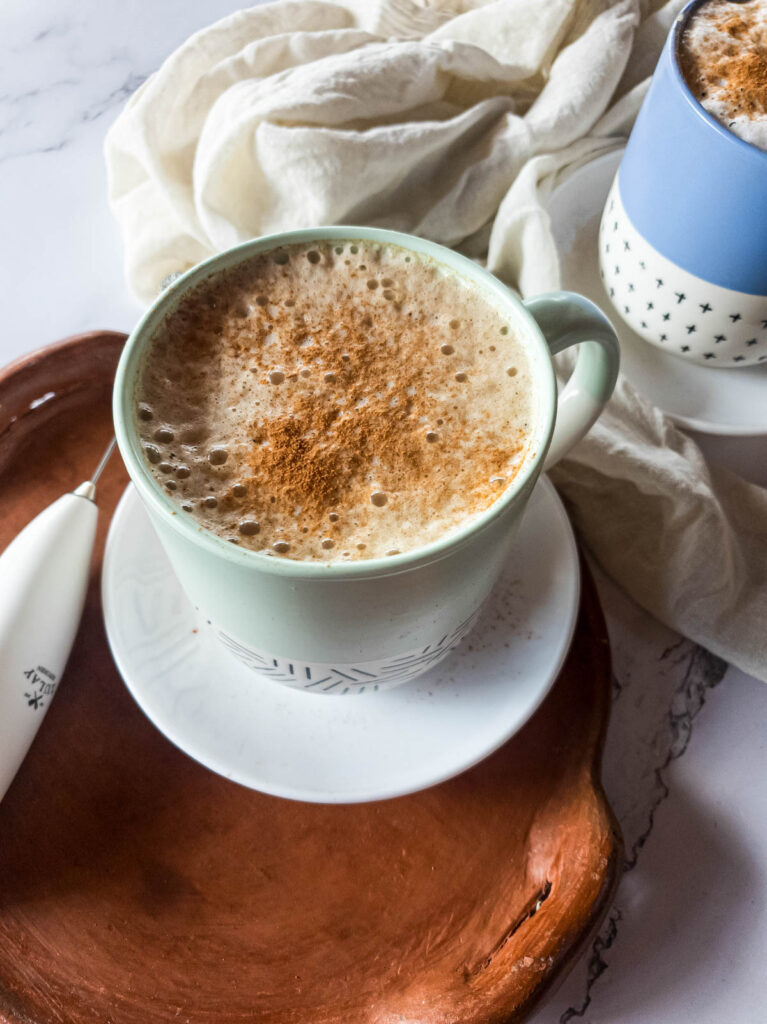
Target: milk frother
(43,580)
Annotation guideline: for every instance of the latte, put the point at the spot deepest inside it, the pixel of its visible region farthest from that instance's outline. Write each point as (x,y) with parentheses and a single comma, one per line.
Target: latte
(335,402)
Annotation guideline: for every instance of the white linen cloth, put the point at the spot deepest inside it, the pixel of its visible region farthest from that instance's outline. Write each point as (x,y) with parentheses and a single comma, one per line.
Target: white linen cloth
(450,119)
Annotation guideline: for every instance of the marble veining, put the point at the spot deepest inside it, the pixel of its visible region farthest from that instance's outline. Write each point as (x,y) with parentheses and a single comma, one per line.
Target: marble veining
(701,672)
(23,128)
(596,964)
(657,727)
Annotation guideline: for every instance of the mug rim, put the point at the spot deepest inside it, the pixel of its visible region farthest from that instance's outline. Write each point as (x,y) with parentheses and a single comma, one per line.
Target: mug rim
(675,44)
(150,491)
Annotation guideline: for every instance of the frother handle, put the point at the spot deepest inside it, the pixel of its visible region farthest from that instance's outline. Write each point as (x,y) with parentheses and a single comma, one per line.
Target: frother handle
(43,579)
(568,319)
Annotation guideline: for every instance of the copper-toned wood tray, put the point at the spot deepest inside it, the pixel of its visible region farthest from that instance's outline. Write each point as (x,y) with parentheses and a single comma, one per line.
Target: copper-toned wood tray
(137,886)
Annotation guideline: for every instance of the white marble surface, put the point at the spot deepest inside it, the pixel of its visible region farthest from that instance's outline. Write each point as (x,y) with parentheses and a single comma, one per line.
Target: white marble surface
(687,748)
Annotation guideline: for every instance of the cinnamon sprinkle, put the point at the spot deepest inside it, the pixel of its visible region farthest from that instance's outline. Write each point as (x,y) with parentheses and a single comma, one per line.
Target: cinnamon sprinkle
(736,71)
(317,455)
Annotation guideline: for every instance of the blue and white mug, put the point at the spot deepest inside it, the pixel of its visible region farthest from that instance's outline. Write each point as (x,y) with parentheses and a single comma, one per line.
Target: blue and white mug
(683,239)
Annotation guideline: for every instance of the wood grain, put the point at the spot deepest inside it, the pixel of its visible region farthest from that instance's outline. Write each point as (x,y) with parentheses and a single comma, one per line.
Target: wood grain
(137,886)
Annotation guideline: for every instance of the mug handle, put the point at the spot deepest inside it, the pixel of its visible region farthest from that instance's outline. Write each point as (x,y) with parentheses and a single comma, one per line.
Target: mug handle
(568,319)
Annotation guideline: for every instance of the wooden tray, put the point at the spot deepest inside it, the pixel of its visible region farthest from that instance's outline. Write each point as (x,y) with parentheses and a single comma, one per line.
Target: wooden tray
(137,886)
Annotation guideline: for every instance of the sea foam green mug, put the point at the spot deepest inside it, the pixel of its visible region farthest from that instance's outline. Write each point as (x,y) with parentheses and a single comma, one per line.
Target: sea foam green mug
(370,625)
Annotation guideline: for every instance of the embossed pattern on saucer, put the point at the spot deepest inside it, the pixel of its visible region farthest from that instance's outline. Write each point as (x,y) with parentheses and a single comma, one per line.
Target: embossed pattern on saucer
(293,744)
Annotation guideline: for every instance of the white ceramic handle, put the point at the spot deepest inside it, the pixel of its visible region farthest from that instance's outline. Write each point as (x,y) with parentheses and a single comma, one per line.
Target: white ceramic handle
(566,319)
(43,579)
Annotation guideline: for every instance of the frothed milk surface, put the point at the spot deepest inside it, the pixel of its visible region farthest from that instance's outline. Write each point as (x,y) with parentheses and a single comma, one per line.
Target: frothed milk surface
(724,60)
(334,402)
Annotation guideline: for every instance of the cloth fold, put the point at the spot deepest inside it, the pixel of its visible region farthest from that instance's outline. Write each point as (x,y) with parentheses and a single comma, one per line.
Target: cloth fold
(452,119)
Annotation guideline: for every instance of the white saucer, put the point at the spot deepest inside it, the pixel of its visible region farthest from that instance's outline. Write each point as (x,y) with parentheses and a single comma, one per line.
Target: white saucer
(295,744)
(726,402)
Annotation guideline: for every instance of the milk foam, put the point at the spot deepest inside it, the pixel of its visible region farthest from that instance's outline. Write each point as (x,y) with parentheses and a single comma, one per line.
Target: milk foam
(707,45)
(335,402)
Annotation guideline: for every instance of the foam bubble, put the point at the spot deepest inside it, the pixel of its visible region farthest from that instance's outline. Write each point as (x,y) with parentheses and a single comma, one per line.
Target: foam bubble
(218,456)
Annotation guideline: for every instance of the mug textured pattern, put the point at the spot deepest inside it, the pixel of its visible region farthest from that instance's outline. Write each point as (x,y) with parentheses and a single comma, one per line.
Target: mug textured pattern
(671,308)
(343,679)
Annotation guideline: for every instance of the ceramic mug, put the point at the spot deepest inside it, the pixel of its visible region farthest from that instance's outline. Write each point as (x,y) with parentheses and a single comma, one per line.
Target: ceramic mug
(362,626)
(683,238)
